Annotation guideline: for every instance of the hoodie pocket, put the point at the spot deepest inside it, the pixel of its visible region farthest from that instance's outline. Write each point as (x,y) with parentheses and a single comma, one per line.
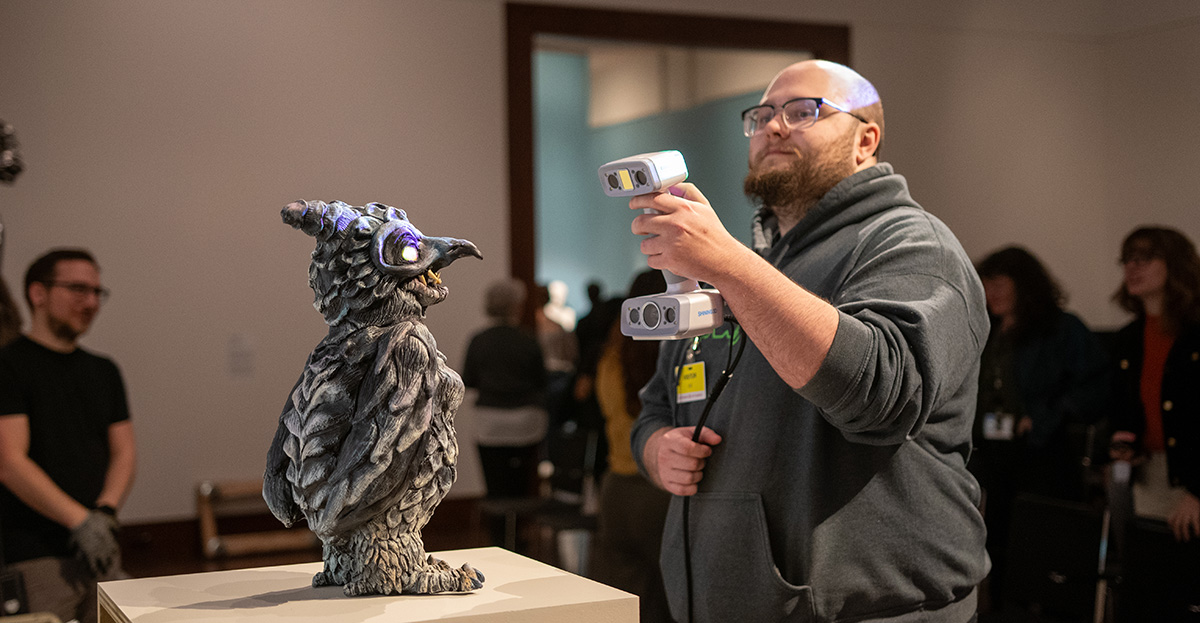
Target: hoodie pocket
(734,577)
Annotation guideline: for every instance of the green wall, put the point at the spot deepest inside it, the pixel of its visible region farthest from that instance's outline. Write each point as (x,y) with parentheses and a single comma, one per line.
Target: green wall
(584,235)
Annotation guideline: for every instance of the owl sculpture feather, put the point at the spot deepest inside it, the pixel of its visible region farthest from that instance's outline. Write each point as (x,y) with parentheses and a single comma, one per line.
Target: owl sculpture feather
(365,448)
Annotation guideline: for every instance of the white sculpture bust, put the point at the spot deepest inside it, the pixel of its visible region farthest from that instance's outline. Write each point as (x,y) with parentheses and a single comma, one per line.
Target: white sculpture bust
(556,309)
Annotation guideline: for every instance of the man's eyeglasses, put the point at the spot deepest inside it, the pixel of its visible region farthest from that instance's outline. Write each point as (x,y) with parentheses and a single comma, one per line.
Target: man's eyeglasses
(798,114)
(79,289)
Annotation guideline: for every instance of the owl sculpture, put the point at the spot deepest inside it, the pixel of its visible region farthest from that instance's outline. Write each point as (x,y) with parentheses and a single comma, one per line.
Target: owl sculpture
(365,448)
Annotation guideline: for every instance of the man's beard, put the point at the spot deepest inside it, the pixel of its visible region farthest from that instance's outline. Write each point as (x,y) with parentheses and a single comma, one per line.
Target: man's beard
(794,190)
(64,330)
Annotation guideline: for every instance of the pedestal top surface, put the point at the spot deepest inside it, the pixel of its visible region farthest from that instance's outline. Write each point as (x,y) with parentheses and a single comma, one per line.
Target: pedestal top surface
(515,588)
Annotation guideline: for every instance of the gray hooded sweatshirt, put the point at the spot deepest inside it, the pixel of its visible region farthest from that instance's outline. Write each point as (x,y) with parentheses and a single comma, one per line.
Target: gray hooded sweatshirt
(847,499)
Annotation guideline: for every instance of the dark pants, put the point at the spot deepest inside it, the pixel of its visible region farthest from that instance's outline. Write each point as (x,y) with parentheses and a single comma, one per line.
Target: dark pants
(63,586)
(509,471)
(1005,469)
(628,541)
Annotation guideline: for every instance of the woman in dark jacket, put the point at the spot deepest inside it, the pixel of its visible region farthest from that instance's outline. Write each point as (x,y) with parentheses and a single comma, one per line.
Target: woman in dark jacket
(1157,403)
(1042,370)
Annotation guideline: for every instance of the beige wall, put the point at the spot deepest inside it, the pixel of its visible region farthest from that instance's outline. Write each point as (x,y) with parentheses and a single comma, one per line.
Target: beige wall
(166,136)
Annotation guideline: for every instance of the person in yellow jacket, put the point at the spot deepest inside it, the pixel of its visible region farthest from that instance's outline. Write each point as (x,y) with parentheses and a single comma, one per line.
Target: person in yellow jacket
(632,510)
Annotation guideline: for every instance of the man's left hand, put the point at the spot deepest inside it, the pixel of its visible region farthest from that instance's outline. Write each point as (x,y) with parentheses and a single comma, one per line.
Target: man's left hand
(96,543)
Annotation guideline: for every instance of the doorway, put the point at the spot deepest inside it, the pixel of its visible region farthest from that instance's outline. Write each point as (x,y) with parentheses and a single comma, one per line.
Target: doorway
(550,27)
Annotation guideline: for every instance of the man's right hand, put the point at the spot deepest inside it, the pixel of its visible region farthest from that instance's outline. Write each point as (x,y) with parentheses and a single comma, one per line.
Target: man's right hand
(685,235)
(674,461)
(96,542)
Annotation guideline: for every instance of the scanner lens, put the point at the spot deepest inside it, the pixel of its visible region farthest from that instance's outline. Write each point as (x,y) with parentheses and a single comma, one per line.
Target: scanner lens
(650,315)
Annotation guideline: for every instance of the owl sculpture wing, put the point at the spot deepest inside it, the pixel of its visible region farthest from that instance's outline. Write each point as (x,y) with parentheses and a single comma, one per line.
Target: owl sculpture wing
(366,432)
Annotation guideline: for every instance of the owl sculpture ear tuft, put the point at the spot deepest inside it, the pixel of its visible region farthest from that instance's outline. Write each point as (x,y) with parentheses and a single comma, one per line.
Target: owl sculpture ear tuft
(307,216)
(318,217)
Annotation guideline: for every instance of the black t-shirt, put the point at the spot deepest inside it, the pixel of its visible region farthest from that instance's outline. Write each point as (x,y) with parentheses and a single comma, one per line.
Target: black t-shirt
(70,400)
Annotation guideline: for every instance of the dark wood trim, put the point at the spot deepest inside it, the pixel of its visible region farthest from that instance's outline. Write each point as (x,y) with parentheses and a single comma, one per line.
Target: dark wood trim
(525,21)
(522,239)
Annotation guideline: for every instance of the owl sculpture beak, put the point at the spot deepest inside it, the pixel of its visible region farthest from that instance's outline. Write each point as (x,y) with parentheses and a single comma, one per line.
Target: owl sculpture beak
(446,250)
(450,249)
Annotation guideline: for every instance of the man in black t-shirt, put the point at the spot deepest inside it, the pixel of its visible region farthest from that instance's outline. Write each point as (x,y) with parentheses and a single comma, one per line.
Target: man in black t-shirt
(66,443)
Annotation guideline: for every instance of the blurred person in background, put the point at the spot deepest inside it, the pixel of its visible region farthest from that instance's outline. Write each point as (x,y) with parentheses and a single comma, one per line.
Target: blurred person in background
(555,325)
(1156,419)
(591,334)
(10,318)
(504,363)
(1042,370)
(632,510)
(67,452)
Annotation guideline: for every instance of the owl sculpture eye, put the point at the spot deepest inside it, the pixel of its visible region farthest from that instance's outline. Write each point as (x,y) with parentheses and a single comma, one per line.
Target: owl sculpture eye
(410,254)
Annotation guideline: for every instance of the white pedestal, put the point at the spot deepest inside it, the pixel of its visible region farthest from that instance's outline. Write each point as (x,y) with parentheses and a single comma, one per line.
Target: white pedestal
(515,589)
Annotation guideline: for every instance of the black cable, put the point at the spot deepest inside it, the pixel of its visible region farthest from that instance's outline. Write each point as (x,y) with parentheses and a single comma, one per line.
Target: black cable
(718,387)
(687,558)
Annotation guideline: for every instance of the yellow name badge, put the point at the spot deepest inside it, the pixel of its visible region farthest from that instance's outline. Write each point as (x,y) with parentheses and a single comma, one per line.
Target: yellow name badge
(691,383)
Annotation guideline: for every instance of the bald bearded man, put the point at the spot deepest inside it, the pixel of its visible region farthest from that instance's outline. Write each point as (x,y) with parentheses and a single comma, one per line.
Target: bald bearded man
(829,482)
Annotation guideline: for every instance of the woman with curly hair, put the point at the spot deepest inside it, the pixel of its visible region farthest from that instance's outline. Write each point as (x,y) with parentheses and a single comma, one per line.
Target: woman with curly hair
(1041,371)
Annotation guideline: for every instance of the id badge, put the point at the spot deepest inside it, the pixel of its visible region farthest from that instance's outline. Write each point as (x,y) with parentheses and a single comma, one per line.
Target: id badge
(999,426)
(692,387)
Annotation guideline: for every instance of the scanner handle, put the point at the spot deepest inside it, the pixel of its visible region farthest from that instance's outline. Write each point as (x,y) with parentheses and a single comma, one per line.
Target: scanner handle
(675,283)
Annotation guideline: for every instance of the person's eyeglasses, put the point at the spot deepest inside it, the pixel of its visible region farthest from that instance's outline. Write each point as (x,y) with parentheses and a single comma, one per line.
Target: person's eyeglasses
(80,290)
(798,114)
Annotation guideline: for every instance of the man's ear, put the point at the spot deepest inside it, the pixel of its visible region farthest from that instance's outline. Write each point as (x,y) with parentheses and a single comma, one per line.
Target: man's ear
(869,135)
(38,292)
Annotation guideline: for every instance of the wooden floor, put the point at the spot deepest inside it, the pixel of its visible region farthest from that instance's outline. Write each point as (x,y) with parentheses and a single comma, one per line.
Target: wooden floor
(172,548)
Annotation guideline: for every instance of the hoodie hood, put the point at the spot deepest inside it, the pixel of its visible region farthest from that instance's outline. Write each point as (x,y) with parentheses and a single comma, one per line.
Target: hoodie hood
(857,198)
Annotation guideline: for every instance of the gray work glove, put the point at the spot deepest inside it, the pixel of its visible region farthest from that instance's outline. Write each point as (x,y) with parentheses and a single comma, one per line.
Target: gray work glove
(95,541)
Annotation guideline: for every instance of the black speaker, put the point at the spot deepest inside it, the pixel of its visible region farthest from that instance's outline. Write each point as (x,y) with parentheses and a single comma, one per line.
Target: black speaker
(12,593)
(1053,557)
(1160,577)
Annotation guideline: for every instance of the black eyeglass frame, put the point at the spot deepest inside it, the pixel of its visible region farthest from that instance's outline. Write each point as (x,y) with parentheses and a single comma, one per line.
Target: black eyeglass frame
(783,107)
(79,289)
